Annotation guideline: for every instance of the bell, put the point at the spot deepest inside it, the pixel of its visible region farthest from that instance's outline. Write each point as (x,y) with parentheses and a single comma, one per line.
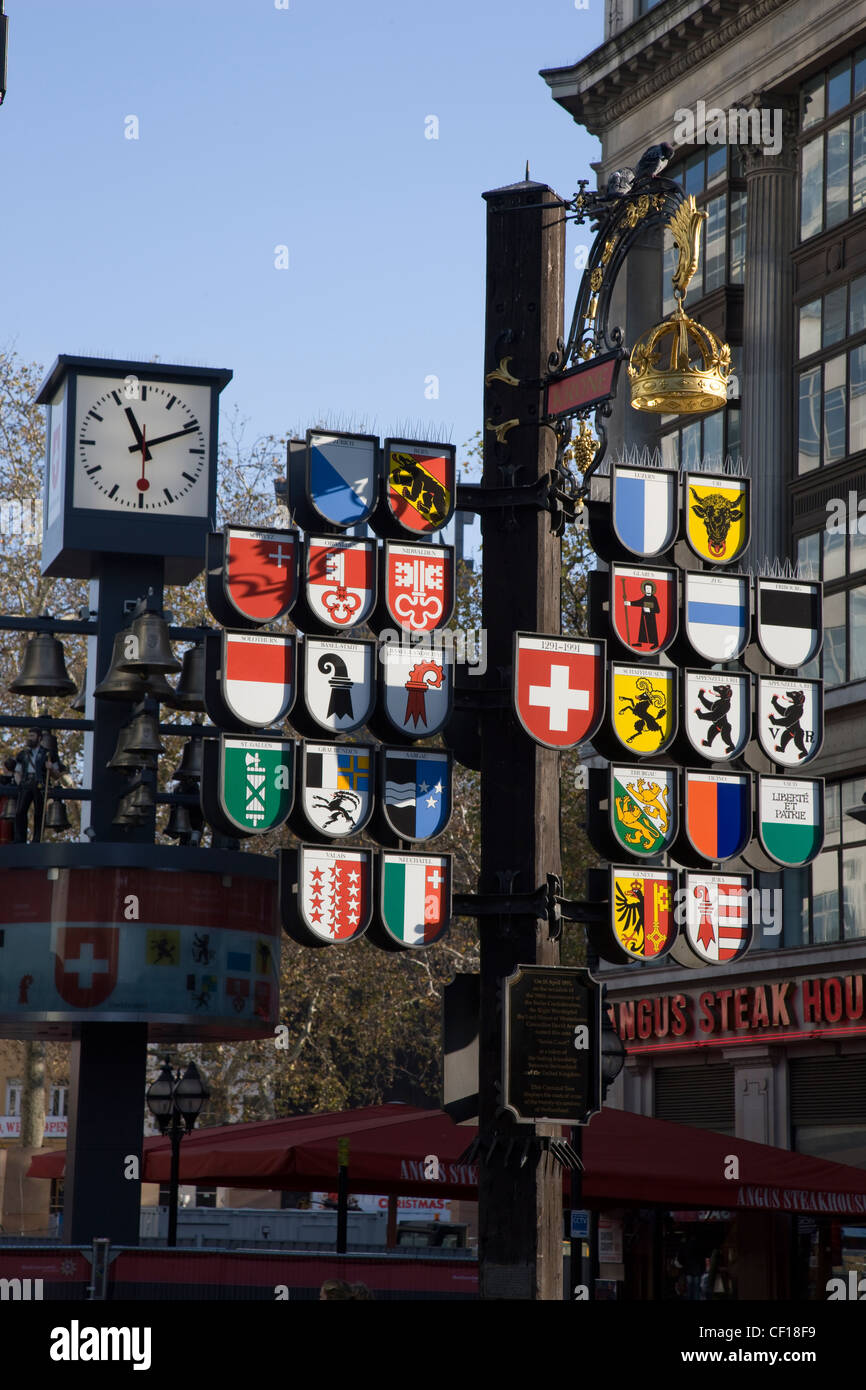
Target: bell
(117,684)
(78,701)
(9,805)
(151,647)
(142,800)
(55,816)
(125,814)
(178,824)
(144,735)
(43,670)
(190,761)
(190,688)
(124,758)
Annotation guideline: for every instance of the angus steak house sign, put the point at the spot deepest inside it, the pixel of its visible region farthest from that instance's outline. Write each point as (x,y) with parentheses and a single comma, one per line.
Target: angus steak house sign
(782,1008)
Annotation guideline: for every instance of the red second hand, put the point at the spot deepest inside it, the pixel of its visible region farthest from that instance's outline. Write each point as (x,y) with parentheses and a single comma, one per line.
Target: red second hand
(142,483)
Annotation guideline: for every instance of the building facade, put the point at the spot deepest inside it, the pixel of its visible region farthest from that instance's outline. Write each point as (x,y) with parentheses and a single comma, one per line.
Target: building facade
(764,102)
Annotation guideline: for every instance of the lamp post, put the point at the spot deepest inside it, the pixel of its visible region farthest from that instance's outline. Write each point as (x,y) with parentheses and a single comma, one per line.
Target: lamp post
(172,1099)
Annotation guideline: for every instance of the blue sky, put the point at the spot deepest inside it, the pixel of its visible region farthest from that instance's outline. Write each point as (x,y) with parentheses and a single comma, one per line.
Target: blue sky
(258,128)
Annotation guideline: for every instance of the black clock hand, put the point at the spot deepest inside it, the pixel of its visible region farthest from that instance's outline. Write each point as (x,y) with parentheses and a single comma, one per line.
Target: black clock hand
(163,438)
(136,430)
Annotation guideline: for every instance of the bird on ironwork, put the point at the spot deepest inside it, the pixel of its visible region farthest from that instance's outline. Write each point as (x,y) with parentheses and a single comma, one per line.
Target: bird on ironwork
(619,183)
(653,161)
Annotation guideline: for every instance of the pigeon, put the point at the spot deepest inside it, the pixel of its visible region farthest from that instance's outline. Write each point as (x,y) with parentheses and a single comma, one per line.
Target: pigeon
(656,158)
(619,183)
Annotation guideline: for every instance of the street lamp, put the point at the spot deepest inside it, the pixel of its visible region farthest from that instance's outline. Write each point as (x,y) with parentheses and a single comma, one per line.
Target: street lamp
(171,1099)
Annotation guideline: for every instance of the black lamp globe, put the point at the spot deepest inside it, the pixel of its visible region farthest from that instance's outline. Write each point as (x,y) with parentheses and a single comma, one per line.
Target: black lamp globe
(160,1097)
(190,1094)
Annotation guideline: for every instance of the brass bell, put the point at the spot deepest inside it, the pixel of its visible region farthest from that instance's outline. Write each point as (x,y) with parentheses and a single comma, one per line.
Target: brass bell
(190,688)
(55,816)
(190,761)
(43,670)
(78,701)
(124,759)
(144,735)
(126,815)
(117,684)
(147,650)
(178,824)
(9,804)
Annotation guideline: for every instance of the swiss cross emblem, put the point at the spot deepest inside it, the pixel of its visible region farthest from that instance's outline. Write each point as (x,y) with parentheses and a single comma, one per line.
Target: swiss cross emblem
(558,688)
(85,964)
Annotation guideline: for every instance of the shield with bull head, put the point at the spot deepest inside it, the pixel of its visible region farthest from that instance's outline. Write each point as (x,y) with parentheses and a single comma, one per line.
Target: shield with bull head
(716,516)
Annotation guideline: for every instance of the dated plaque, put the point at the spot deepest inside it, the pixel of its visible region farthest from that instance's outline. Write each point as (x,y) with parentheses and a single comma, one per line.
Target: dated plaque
(551,1056)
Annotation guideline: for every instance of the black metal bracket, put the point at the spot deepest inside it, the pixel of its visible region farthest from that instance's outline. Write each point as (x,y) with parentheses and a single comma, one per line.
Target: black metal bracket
(546,494)
(520,1147)
(545,902)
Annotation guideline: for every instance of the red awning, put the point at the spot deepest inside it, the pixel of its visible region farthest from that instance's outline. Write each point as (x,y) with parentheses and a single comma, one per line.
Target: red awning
(630,1161)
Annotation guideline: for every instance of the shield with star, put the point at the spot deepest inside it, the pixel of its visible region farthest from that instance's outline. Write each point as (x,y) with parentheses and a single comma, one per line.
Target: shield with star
(247,785)
(326,894)
(718,919)
(414,901)
(336,788)
(340,581)
(415,792)
(418,585)
(259,579)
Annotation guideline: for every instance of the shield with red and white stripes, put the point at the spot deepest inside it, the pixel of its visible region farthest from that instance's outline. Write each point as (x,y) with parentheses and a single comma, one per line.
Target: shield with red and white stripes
(341,580)
(718,916)
(558,688)
(257,677)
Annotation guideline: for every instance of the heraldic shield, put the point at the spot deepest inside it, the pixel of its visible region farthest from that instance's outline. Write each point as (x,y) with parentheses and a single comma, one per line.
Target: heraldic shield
(644,508)
(718,813)
(326,895)
(790,719)
(717,517)
(259,578)
(417,689)
(249,678)
(643,607)
(791,819)
(790,624)
(718,712)
(643,808)
(85,963)
(336,787)
(643,707)
(339,683)
(340,581)
(420,484)
(717,614)
(418,582)
(247,785)
(414,901)
(718,926)
(342,476)
(643,925)
(558,689)
(415,792)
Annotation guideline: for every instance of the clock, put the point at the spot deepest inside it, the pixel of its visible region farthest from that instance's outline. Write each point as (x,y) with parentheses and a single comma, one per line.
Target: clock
(131,463)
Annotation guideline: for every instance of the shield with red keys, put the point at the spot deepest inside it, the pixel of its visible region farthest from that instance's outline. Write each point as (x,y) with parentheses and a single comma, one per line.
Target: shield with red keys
(419,585)
(260,573)
(643,607)
(558,688)
(341,580)
(85,964)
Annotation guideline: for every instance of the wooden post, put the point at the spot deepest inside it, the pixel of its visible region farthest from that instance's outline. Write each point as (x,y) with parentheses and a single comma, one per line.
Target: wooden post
(520,1208)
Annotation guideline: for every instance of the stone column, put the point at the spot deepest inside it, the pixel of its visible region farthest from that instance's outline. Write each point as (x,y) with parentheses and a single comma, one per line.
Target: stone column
(771,186)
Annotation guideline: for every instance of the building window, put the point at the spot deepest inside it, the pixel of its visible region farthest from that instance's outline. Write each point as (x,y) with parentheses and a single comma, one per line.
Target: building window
(838,875)
(833,159)
(13,1098)
(55,1200)
(832,392)
(716,436)
(57,1102)
(205,1196)
(723,244)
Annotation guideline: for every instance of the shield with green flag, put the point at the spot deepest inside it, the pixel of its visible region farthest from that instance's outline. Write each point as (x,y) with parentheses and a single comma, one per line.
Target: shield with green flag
(248,788)
(643,808)
(791,818)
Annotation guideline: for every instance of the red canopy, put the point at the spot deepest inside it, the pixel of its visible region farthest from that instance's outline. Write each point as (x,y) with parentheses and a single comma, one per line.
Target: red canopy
(630,1161)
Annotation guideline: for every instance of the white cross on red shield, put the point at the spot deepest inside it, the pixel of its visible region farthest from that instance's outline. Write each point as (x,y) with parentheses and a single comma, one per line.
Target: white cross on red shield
(85,964)
(558,688)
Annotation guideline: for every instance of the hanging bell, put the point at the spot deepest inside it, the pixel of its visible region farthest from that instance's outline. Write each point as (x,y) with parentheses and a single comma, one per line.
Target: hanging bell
(78,701)
(124,758)
(125,814)
(189,694)
(55,815)
(142,800)
(147,650)
(9,805)
(190,764)
(43,670)
(117,684)
(144,735)
(178,824)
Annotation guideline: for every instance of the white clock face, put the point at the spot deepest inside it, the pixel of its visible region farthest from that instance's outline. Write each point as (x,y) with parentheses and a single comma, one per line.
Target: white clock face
(142,446)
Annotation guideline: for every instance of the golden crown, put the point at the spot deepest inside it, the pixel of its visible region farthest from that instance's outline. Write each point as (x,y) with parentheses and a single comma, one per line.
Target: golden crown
(679,367)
